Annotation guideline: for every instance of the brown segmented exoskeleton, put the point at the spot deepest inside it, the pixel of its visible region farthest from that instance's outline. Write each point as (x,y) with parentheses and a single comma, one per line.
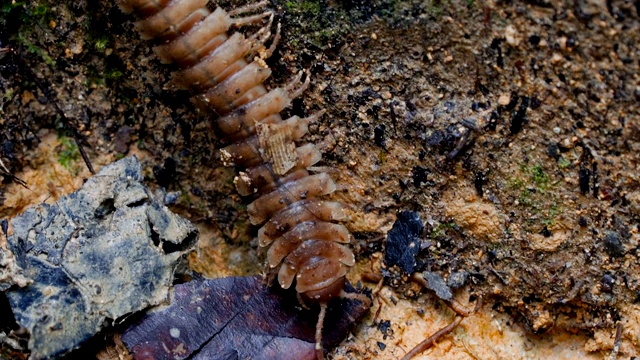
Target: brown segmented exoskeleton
(299,228)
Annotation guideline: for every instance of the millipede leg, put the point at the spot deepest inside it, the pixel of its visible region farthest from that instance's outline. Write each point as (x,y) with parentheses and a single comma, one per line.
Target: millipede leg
(313,117)
(260,37)
(301,301)
(319,325)
(356,296)
(294,82)
(238,22)
(252,18)
(248,8)
(274,43)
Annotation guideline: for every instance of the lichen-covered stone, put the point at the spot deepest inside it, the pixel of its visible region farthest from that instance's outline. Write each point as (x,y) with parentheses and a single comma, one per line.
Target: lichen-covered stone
(105,251)
(10,273)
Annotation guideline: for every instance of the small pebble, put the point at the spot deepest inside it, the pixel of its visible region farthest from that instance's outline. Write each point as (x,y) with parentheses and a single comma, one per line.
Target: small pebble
(613,245)
(607,283)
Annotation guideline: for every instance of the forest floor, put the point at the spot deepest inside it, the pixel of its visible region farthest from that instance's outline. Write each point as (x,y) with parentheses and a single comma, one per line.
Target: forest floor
(511,127)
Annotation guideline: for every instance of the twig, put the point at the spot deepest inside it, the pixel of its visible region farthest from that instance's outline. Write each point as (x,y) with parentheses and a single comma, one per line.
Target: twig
(460,311)
(5,171)
(616,342)
(65,121)
(431,340)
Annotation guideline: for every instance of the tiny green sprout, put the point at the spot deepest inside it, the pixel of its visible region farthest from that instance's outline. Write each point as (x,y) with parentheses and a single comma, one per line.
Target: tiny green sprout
(382,157)
(539,176)
(112,74)
(101,43)
(40,10)
(68,152)
(563,163)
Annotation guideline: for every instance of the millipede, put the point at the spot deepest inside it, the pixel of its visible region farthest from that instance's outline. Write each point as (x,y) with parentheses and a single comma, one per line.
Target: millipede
(305,240)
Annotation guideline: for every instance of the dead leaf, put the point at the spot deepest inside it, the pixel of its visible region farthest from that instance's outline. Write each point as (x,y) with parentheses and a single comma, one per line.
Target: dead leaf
(237,318)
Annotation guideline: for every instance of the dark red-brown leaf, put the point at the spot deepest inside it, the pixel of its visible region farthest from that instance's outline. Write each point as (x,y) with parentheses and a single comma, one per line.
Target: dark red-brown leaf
(237,318)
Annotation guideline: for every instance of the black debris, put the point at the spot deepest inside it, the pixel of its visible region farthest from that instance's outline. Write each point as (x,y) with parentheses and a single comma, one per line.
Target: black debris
(479,179)
(607,282)
(165,174)
(520,116)
(378,135)
(584,175)
(420,175)
(582,221)
(385,328)
(613,245)
(534,40)
(436,138)
(553,151)
(403,240)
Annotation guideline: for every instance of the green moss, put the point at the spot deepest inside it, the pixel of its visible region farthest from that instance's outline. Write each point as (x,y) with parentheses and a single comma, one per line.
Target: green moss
(8,94)
(516,183)
(309,6)
(536,195)
(41,10)
(442,229)
(13,10)
(551,214)
(113,74)
(27,19)
(539,176)
(314,19)
(535,176)
(34,49)
(184,196)
(68,154)
(94,76)
(525,198)
(101,77)
(563,163)
(101,43)
(96,36)
(436,7)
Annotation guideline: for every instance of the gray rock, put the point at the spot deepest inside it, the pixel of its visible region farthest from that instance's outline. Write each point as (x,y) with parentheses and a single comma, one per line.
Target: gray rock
(10,273)
(457,279)
(105,251)
(437,284)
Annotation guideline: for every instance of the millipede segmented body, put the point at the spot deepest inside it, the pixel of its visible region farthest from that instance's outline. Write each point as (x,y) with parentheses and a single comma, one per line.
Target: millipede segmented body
(300,229)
